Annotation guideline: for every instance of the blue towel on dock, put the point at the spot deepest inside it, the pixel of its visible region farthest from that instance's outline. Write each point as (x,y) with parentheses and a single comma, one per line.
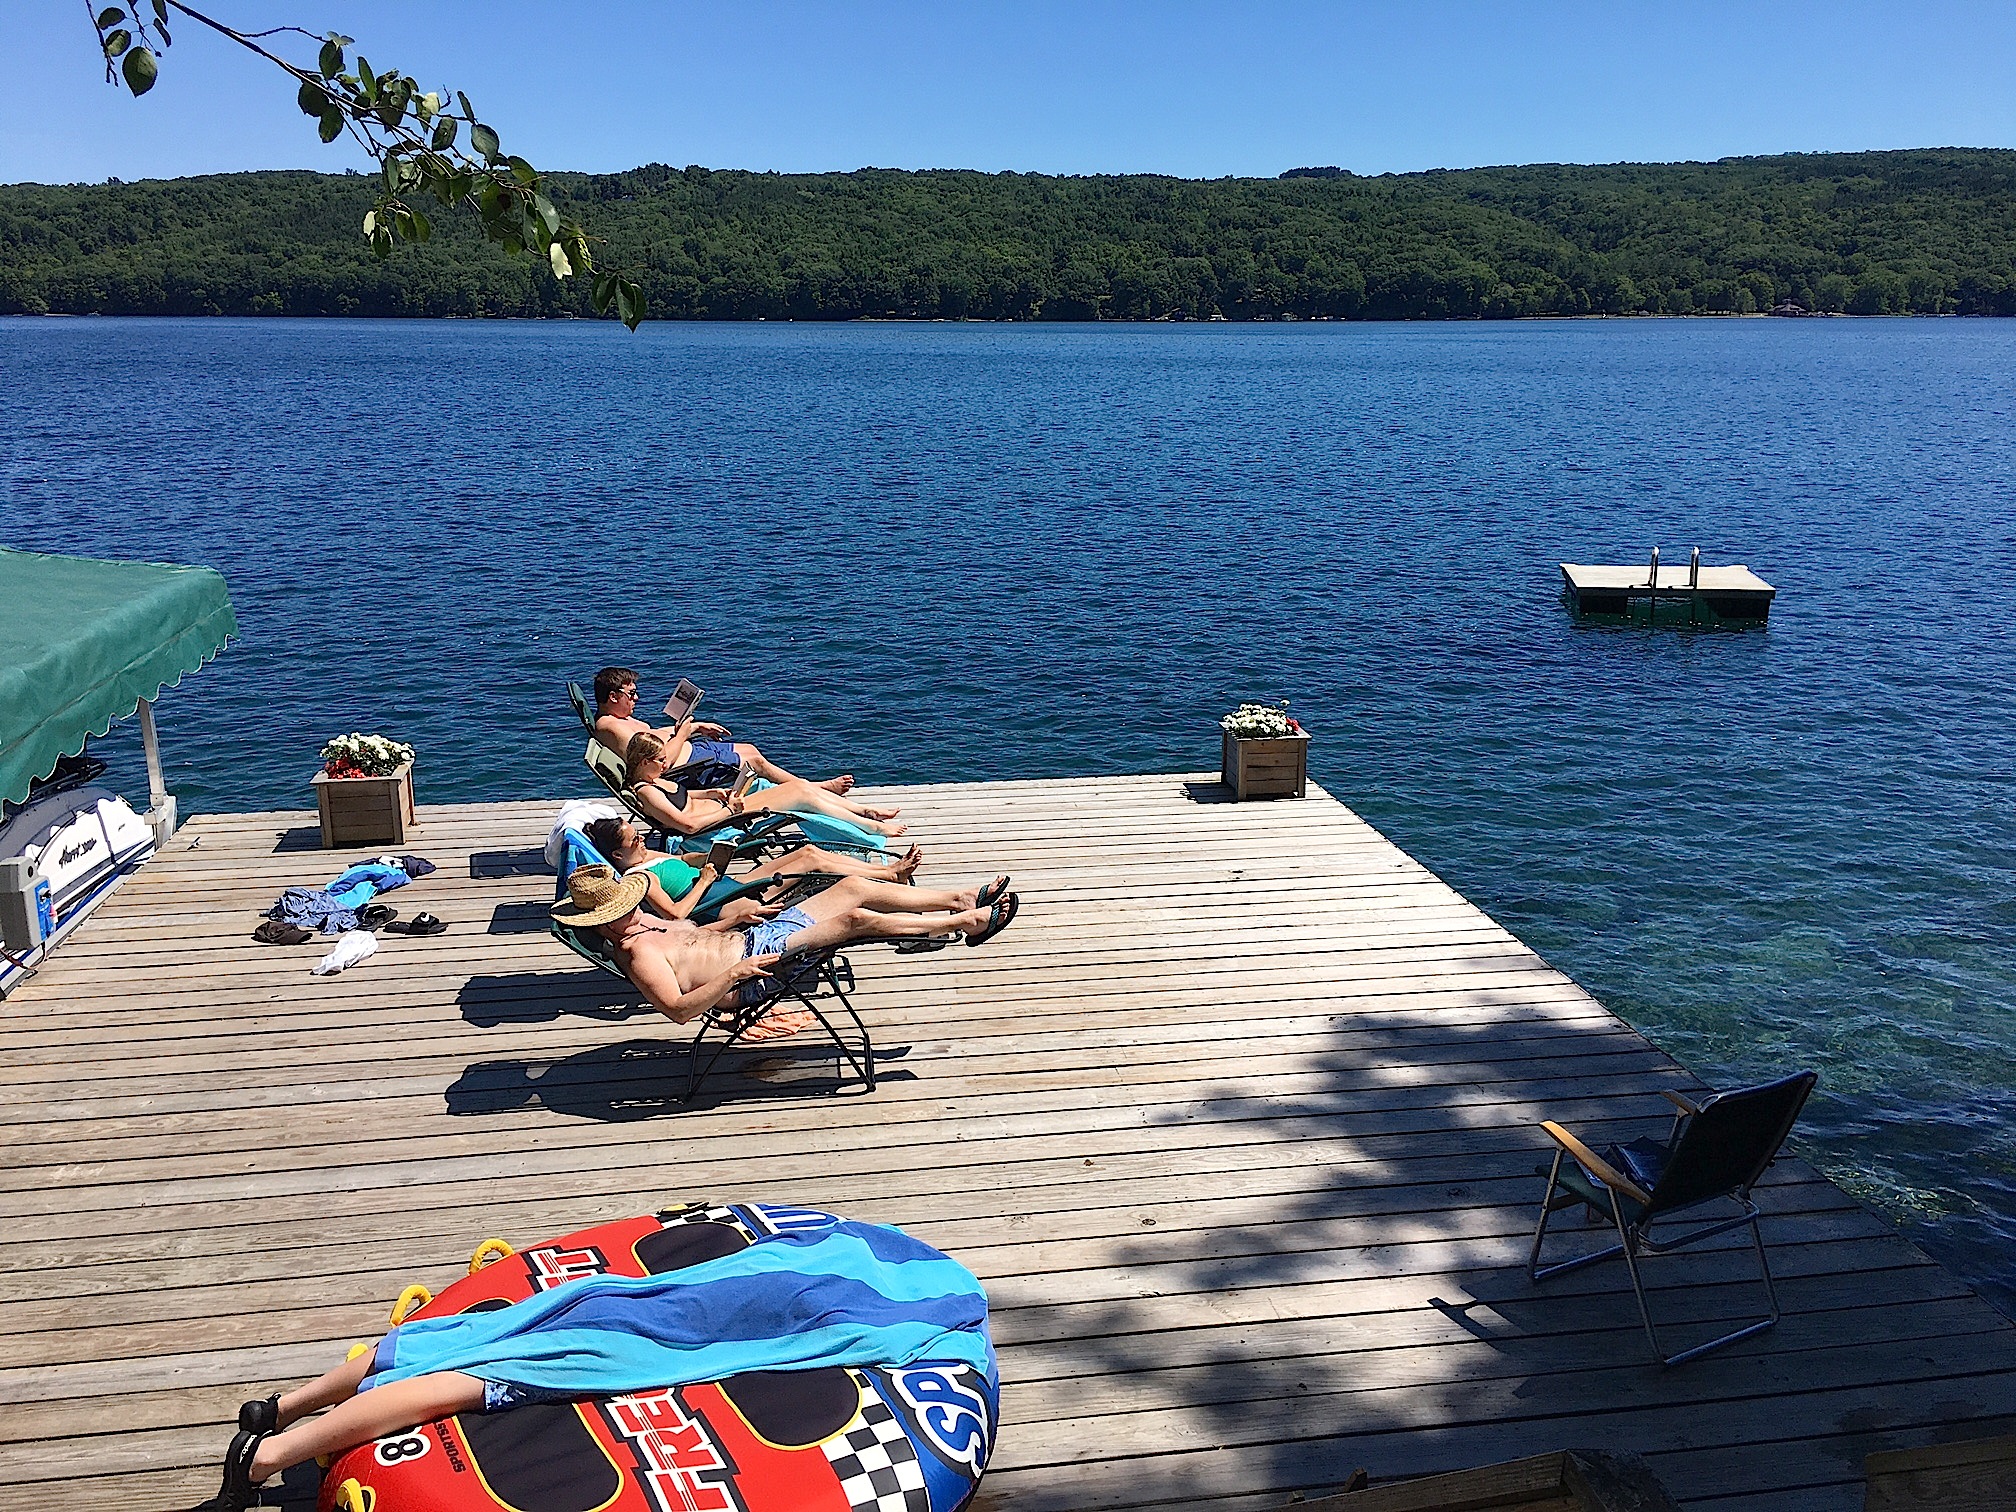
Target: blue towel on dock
(838,1293)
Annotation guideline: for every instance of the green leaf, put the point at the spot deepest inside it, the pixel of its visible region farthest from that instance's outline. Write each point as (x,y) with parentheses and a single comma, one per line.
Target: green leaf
(367,82)
(523,171)
(444,133)
(428,107)
(140,70)
(331,61)
(312,99)
(417,226)
(548,216)
(629,302)
(332,124)
(370,221)
(160,12)
(467,109)
(557,256)
(389,171)
(484,140)
(110,16)
(339,39)
(604,292)
(117,43)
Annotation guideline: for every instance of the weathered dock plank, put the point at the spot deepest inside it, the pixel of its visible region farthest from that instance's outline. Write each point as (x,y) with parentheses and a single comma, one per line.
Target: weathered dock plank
(1237,1124)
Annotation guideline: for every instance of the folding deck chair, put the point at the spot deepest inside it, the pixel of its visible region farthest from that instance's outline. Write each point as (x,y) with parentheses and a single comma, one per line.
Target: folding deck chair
(1717,1150)
(802,977)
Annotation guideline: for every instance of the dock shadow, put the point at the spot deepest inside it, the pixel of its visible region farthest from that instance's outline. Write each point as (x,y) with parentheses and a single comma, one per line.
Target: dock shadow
(646,1078)
(527,862)
(520,918)
(1207,790)
(300,837)
(538,997)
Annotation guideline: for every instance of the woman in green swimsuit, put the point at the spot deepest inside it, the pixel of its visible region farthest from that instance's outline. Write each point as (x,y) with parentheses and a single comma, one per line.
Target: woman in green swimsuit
(676,887)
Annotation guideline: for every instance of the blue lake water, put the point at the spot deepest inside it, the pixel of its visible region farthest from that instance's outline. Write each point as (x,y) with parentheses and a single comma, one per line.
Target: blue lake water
(963,552)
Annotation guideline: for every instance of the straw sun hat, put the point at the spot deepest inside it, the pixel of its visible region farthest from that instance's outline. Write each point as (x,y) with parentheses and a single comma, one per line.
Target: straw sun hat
(596,895)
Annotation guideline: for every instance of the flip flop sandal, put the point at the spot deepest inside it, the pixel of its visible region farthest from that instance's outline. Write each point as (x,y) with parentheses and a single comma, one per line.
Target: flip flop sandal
(375,916)
(990,892)
(274,932)
(921,944)
(1002,916)
(422,924)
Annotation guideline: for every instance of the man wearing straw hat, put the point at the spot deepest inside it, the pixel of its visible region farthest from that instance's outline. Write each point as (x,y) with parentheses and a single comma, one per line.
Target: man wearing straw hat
(685,969)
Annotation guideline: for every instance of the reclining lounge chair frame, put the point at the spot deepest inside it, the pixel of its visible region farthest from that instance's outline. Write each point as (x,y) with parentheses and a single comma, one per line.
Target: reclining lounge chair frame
(1718,1148)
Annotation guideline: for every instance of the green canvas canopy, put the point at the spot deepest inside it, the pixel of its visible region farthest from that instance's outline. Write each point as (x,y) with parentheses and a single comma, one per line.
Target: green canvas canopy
(85,642)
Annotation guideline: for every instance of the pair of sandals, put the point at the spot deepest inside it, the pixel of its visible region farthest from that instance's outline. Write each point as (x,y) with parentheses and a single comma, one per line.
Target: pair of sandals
(1001,905)
(370,916)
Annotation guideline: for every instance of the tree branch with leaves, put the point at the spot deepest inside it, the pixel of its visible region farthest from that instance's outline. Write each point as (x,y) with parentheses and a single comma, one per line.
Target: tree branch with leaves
(414,136)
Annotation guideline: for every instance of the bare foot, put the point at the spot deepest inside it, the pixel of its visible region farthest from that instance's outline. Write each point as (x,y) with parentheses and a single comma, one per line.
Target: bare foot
(775,1025)
(844,783)
(907,864)
(879,813)
(891,830)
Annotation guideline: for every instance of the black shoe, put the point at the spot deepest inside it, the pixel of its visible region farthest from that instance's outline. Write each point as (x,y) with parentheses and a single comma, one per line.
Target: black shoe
(261,1416)
(240,1490)
(375,916)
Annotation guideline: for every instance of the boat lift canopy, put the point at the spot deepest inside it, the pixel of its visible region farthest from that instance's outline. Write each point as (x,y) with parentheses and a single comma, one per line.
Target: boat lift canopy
(85,642)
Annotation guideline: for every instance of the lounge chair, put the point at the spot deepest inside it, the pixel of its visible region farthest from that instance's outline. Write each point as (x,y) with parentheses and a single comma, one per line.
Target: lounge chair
(1717,1150)
(803,977)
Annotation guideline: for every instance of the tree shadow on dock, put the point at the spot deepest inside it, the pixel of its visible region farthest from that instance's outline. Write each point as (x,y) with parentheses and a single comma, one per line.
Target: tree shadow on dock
(1351,1290)
(647,1078)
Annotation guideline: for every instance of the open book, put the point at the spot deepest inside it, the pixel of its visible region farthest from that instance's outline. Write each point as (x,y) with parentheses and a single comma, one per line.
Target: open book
(683,700)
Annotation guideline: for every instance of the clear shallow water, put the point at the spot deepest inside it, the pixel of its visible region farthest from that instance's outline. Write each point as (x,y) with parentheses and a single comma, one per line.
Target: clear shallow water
(949,552)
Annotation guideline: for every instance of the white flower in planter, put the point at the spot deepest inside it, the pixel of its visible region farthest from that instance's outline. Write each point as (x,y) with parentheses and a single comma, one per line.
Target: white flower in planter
(1254,721)
(360,755)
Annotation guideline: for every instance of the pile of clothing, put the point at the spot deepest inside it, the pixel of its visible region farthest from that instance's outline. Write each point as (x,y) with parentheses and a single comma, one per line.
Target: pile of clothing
(344,907)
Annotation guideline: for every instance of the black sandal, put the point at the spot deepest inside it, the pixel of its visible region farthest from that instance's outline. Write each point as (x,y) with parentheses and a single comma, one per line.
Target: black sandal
(260,1416)
(998,919)
(990,892)
(422,924)
(239,1490)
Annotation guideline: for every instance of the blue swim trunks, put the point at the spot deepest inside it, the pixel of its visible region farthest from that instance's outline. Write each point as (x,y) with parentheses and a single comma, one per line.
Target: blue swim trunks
(711,764)
(773,936)
(498,1396)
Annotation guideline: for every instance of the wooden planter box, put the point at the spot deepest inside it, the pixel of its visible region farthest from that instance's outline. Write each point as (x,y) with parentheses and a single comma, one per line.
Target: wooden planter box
(365,810)
(1274,767)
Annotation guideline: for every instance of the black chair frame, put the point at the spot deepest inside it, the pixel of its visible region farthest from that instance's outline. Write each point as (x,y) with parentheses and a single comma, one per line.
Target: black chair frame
(1689,1175)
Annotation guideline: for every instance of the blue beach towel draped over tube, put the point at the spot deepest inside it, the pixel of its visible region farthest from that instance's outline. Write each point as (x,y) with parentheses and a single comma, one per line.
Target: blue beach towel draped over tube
(842,1293)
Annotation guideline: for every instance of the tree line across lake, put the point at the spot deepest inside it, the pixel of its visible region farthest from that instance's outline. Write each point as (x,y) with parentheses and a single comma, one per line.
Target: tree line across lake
(1915,232)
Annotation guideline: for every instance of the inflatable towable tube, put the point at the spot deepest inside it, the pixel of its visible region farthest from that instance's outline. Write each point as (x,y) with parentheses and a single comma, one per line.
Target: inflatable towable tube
(857,1439)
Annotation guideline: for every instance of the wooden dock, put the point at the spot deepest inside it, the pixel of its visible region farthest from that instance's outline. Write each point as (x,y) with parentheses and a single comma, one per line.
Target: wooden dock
(1236,1123)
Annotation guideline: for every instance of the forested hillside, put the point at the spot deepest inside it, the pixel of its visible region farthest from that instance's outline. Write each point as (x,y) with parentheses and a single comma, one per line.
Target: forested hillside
(1870,233)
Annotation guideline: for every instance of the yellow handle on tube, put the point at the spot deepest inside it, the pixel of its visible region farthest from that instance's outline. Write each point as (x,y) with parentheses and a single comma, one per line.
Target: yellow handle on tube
(410,1301)
(487,1253)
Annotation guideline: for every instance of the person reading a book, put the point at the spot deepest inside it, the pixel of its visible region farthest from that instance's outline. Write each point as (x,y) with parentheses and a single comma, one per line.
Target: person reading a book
(684,970)
(677,886)
(687,810)
(690,739)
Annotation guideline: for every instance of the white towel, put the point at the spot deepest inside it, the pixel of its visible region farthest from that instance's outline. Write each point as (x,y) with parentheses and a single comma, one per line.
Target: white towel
(356,945)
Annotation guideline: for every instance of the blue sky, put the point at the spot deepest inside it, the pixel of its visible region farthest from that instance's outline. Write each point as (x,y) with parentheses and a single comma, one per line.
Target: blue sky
(1084,87)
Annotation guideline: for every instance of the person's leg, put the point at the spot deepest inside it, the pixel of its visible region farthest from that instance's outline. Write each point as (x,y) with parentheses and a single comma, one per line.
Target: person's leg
(769,771)
(326,1390)
(861,923)
(800,794)
(885,897)
(366,1416)
(812,858)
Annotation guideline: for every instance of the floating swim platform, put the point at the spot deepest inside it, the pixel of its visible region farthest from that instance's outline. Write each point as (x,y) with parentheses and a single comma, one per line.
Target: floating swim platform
(1693,594)
(913,1438)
